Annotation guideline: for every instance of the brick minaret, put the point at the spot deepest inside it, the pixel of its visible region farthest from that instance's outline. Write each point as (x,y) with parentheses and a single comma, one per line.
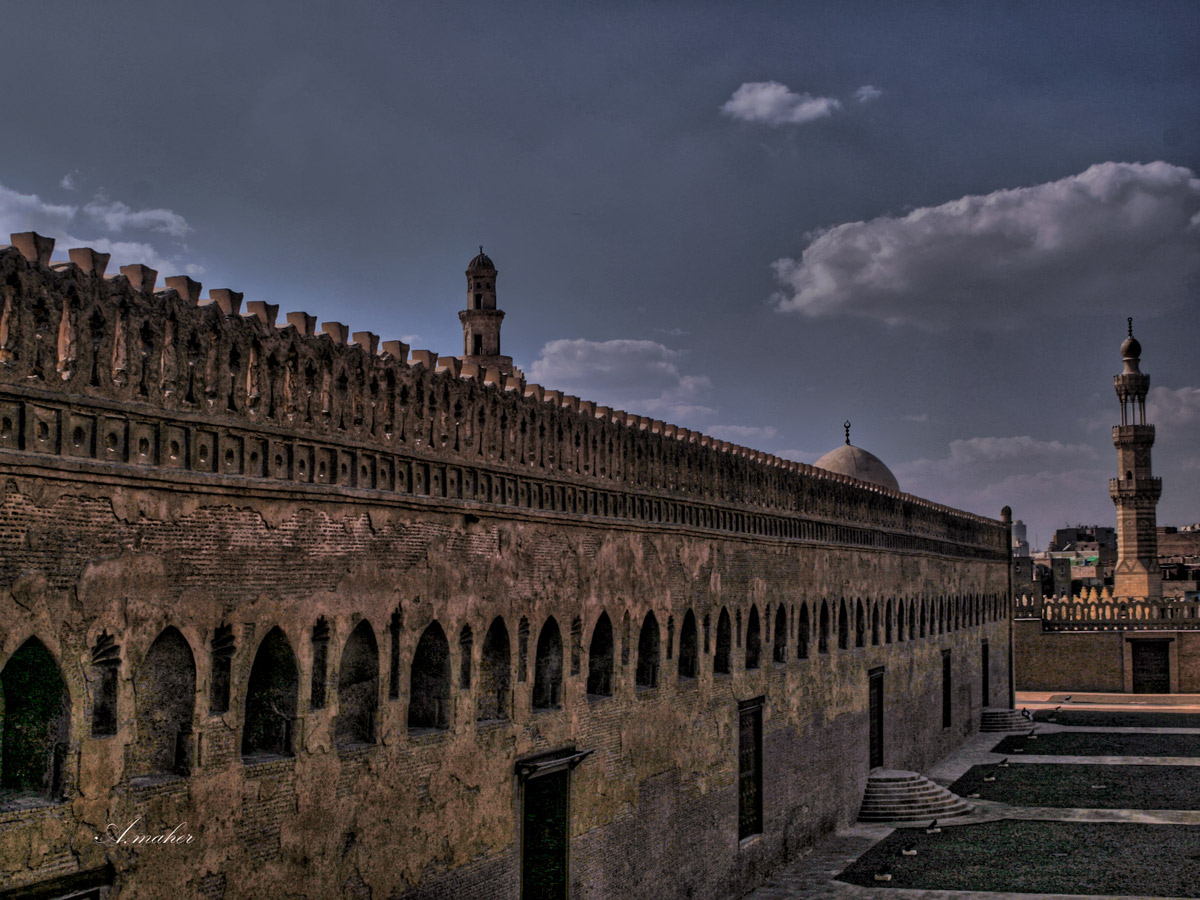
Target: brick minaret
(481,319)
(1135,492)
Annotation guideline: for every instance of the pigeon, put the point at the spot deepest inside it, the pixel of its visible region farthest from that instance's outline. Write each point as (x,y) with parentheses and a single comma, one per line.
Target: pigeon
(910,850)
(1026,713)
(933,828)
(1067,699)
(1057,708)
(1003,764)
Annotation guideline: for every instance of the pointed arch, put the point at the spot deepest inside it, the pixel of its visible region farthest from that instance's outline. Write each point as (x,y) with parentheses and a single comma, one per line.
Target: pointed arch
(780,643)
(874,623)
(802,636)
(272,695)
(429,681)
(823,633)
(646,676)
(843,627)
(600,658)
(164,691)
(37,722)
(900,621)
(753,639)
(860,624)
(887,622)
(688,647)
(721,664)
(358,687)
(495,676)
(547,667)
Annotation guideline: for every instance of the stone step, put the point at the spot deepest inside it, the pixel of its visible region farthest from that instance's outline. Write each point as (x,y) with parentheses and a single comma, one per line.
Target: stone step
(895,796)
(995,719)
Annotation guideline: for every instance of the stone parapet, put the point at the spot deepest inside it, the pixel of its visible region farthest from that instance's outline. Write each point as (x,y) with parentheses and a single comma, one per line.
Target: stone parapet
(108,369)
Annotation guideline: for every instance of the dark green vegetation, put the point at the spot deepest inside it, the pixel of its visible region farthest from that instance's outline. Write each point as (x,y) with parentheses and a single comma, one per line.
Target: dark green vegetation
(1085,787)
(1098,718)
(1040,857)
(1100,743)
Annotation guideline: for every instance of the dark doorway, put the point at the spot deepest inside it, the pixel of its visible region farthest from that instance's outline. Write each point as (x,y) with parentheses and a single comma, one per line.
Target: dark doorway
(544,837)
(750,811)
(875,703)
(1151,667)
(986,674)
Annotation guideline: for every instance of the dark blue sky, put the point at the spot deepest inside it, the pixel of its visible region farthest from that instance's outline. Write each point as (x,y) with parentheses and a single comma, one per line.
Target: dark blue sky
(636,170)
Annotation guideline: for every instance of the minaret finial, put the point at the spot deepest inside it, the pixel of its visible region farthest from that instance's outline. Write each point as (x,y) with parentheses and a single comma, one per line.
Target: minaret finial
(846,425)
(1130,321)
(481,254)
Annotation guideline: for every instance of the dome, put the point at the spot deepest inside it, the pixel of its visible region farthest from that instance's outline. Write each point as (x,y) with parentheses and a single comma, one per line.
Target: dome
(1130,348)
(481,263)
(858,463)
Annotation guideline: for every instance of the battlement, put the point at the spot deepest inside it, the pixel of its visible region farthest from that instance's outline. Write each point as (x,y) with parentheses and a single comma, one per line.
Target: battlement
(362,412)
(1099,610)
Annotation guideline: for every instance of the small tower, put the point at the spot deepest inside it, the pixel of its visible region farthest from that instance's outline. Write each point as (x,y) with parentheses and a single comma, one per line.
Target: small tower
(1135,492)
(481,319)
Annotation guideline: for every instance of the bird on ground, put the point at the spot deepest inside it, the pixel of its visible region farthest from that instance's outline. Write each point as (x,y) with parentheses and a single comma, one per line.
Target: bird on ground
(932,828)
(1068,698)
(1026,713)
(1003,764)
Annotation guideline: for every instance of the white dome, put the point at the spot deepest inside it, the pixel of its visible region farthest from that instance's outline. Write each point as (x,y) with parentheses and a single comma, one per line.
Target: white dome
(858,463)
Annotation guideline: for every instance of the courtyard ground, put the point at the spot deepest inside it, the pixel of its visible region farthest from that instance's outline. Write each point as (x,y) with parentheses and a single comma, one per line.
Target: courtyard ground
(1103,802)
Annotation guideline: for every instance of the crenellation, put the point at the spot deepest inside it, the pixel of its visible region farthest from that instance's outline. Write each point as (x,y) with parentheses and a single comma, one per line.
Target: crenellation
(264,312)
(337,332)
(304,324)
(141,278)
(36,248)
(171,354)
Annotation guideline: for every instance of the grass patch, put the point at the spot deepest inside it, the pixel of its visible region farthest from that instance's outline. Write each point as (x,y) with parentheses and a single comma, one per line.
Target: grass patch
(1069,786)
(1040,857)
(1096,718)
(1100,743)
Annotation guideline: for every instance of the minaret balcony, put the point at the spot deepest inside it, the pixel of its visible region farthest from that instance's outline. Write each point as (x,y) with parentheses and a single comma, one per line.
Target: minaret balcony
(1132,491)
(1132,435)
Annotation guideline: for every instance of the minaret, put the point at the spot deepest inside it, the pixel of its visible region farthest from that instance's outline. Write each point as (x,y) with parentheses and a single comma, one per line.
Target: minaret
(1136,491)
(481,319)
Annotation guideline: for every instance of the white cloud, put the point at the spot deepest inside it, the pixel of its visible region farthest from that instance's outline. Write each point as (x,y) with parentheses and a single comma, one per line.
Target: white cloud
(29,212)
(117,216)
(1173,407)
(641,377)
(746,435)
(775,104)
(411,339)
(67,183)
(867,93)
(1045,482)
(804,456)
(914,417)
(194,270)
(1003,260)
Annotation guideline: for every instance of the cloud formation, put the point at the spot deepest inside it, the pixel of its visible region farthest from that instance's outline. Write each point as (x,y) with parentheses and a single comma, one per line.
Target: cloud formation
(867,93)
(1045,482)
(640,377)
(117,216)
(775,104)
(1165,406)
(746,435)
(1091,241)
(29,212)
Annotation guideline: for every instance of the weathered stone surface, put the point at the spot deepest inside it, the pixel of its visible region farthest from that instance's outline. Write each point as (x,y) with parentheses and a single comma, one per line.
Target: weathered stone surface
(239,479)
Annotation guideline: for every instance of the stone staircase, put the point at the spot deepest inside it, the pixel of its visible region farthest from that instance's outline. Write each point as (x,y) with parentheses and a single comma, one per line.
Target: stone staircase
(895,796)
(996,719)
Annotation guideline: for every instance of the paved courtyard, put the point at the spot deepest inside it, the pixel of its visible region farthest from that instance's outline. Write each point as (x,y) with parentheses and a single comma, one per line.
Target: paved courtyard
(1165,843)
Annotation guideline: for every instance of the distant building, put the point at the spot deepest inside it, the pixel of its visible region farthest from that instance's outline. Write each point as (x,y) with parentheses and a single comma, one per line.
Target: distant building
(1142,634)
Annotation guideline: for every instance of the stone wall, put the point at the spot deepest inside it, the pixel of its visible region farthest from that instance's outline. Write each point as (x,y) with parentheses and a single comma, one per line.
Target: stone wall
(337,537)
